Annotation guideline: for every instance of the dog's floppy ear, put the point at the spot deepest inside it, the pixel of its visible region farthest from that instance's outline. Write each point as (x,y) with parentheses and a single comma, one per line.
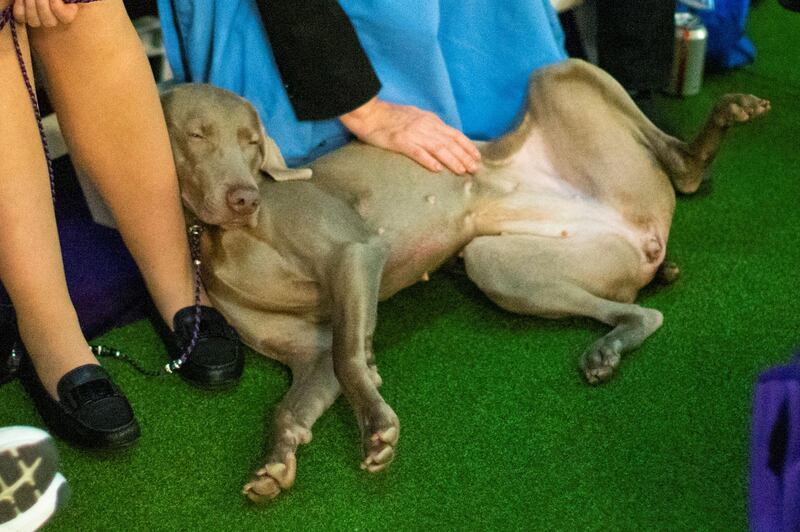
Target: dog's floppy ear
(274,164)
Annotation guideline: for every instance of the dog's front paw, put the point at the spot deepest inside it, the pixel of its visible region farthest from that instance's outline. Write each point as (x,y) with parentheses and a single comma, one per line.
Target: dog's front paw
(271,479)
(601,360)
(380,432)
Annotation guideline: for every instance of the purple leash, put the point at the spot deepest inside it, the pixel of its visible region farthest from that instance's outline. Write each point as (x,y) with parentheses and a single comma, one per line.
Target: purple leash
(7,18)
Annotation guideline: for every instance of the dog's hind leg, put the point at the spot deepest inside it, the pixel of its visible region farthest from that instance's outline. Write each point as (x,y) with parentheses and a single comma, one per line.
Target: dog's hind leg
(354,282)
(555,89)
(552,278)
(687,163)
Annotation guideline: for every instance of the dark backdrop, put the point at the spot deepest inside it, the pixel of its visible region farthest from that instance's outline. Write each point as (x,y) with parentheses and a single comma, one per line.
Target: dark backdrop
(138,8)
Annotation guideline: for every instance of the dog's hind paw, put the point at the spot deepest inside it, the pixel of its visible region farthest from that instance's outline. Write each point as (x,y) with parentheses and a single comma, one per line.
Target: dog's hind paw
(735,109)
(271,479)
(600,361)
(667,273)
(381,433)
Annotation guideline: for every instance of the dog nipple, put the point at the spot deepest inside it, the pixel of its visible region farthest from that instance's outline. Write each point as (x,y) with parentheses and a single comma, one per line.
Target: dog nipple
(431,199)
(564,234)
(468,186)
(381,230)
(652,249)
(362,208)
(426,276)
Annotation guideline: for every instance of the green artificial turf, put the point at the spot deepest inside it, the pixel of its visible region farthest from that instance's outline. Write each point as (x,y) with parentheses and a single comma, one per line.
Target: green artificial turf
(498,429)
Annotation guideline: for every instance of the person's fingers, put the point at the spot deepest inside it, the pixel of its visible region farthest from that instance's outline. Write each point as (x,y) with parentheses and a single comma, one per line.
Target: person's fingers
(19,11)
(31,15)
(420,135)
(421,156)
(425,147)
(466,144)
(46,17)
(457,136)
(466,160)
(65,13)
(441,151)
(457,141)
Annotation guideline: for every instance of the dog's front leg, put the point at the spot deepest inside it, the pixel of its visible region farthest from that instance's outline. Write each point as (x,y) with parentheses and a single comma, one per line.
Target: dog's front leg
(314,388)
(354,282)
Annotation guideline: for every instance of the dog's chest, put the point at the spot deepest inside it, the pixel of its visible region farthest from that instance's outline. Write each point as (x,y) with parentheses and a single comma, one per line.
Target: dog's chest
(245,269)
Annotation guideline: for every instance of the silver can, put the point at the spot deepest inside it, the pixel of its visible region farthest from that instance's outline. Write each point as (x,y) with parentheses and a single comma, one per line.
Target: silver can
(690,55)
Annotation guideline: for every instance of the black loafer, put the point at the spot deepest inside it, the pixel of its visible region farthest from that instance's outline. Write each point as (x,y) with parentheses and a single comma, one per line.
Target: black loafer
(91,410)
(217,360)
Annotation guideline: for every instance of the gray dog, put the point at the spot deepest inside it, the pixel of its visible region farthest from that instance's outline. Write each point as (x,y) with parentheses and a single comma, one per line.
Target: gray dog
(568,215)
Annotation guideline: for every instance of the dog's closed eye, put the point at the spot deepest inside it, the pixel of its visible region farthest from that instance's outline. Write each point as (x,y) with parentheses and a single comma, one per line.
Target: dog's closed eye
(196,135)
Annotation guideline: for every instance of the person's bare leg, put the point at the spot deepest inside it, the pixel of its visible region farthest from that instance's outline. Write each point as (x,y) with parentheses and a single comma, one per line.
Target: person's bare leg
(102,87)
(31,267)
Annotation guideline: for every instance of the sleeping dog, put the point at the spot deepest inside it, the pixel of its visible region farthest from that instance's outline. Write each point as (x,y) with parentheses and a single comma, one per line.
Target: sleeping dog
(568,215)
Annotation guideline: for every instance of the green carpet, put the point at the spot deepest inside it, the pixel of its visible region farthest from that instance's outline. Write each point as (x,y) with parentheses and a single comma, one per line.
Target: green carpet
(498,429)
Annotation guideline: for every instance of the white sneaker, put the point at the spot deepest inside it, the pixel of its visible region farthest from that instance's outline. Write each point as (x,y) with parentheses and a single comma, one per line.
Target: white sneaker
(31,488)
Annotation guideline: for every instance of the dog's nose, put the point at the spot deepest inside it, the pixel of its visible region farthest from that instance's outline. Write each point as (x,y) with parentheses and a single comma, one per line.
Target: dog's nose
(243,200)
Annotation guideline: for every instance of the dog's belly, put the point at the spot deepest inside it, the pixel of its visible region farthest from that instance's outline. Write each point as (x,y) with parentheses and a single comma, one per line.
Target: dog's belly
(424,218)
(427,218)
(526,197)
(560,212)
(413,257)
(529,197)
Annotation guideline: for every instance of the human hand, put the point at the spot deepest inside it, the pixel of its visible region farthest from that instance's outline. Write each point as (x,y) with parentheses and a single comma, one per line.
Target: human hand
(418,134)
(47,13)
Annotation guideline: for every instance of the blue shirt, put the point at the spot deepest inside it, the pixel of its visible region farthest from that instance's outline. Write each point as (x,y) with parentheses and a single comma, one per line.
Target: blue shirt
(468,61)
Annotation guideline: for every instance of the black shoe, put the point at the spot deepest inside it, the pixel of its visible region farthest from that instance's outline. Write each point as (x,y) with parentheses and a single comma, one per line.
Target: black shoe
(91,410)
(217,360)
(31,488)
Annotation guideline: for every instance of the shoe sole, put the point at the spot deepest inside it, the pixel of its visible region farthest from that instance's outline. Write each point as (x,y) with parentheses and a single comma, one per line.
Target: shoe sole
(31,488)
(215,384)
